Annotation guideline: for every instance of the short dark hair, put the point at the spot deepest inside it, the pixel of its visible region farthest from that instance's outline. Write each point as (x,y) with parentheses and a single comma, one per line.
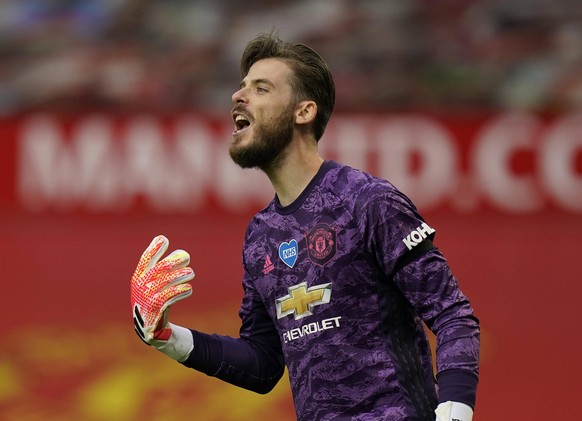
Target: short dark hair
(312,79)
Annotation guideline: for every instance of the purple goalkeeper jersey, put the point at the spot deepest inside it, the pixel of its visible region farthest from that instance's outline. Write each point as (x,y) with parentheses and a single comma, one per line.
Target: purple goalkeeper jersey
(337,286)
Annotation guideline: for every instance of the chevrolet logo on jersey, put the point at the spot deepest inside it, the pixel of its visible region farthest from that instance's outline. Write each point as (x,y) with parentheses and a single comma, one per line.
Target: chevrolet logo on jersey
(301,300)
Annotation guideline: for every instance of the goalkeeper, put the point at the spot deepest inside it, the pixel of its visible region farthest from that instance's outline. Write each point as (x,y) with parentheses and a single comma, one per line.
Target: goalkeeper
(340,271)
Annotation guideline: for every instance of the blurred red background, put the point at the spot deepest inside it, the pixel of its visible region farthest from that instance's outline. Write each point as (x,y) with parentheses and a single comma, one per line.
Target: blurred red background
(113,129)
(79,203)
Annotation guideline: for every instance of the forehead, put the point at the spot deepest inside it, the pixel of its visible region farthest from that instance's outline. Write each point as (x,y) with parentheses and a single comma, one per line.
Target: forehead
(272,70)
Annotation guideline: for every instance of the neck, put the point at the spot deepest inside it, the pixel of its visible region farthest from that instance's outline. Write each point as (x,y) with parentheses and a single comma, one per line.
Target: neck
(295,171)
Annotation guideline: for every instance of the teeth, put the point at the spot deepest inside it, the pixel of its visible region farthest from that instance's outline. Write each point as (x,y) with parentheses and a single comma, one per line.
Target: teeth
(240,118)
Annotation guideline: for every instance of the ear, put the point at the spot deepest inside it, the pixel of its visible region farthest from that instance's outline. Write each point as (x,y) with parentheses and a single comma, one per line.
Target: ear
(305,112)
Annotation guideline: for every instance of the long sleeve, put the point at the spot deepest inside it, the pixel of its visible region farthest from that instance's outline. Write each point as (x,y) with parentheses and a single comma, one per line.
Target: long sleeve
(253,361)
(431,288)
(401,241)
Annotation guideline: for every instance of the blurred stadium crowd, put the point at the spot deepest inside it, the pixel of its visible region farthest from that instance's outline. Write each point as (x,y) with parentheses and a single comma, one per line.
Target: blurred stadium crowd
(170,55)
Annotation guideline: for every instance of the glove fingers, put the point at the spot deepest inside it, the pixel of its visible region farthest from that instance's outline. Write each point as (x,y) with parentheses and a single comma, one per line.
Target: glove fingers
(180,276)
(151,255)
(155,278)
(163,300)
(161,282)
(173,294)
(165,271)
(175,260)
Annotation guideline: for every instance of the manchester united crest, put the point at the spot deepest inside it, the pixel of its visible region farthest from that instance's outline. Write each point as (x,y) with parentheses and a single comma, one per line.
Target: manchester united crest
(321,243)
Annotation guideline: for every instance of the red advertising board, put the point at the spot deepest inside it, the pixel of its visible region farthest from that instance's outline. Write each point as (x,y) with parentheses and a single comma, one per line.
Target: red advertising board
(82,196)
(513,163)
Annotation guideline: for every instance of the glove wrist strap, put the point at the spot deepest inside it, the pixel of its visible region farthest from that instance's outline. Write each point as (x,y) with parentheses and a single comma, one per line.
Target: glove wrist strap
(449,410)
(178,346)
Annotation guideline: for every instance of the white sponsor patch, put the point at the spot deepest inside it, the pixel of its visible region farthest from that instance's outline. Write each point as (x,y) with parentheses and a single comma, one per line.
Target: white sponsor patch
(417,236)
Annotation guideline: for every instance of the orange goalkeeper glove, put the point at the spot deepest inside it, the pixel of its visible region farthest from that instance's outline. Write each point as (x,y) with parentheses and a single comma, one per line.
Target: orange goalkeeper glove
(155,286)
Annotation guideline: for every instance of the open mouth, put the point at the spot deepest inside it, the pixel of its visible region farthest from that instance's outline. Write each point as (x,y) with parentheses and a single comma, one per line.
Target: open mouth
(240,123)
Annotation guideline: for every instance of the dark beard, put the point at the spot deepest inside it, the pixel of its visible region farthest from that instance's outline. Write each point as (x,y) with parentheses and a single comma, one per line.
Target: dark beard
(267,148)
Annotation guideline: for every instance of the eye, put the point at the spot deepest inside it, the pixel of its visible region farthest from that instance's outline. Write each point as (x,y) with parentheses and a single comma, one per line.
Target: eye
(262,89)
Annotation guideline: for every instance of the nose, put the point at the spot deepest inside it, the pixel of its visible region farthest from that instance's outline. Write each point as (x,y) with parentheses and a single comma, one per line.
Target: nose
(239,96)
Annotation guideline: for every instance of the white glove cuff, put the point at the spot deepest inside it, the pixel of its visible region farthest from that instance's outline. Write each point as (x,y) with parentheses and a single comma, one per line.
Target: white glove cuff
(448,411)
(178,346)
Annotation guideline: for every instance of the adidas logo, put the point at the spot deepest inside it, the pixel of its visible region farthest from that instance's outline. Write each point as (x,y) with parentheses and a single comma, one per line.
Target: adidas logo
(269,266)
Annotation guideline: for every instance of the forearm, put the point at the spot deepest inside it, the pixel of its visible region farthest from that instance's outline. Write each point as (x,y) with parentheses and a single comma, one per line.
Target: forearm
(237,361)
(431,287)
(457,355)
